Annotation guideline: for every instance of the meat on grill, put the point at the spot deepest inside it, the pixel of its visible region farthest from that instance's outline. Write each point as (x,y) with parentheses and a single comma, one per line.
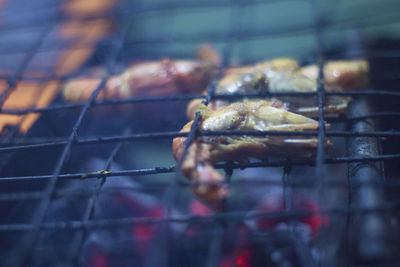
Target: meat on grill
(285,75)
(258,115)
(149,78)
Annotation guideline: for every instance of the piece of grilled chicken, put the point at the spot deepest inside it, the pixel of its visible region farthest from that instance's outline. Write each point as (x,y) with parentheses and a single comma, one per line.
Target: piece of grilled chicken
(285,75)
(164,77)
(258,115)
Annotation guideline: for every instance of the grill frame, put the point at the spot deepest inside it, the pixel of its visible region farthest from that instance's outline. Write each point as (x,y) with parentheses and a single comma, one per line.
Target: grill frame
(32,230)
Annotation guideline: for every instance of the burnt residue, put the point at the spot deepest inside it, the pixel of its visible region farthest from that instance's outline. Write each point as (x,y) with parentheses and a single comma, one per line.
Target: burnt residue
(371,232)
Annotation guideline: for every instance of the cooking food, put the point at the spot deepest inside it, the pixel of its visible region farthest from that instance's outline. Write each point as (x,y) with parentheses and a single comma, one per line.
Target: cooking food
(258,115)
(150,78)
(285,75)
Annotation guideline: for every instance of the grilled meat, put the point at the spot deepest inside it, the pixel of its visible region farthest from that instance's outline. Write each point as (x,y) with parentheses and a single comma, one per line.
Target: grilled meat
(285,75)
(150,78)
(258,115)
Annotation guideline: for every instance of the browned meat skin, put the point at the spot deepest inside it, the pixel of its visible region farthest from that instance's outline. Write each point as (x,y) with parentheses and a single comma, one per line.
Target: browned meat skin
(145,79)
(246,115)
(341,75)
(243,80)
(280,75)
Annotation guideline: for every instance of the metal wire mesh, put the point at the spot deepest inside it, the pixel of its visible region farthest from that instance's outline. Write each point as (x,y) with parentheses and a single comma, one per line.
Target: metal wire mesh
(22,251)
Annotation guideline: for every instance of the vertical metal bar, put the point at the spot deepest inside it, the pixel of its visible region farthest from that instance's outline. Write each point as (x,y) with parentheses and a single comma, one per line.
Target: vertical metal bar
(214,250)
(302,249)
(75,254)
(19,255)
(161,260)
(320,172)
(11,134)
(12,83)
(371,230)
(159,245)
(220,225)
(27,241)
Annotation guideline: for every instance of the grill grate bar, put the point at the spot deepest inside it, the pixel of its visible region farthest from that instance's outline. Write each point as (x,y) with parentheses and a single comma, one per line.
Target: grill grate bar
(171,192)
(236,34)
(317,22)
(249,34)
(122,16)
(230,216)
(215,248)
(127,13)
(12,82)
(52,46)
(13,259)
(169,197)
(20,254)
(302,249)
(15,140)
(371,230)
(75,253)
(369,93)
(156,135)
(328,54)
(159,170)
(18,196)
(320,171)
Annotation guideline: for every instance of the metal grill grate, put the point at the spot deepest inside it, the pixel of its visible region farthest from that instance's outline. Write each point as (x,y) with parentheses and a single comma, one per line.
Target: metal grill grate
(367,208)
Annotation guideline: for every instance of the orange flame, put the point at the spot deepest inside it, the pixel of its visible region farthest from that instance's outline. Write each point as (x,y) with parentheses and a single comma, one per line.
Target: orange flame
(85,34)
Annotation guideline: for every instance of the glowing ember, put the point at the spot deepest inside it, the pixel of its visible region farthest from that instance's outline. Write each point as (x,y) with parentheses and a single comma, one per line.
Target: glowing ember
(276,202)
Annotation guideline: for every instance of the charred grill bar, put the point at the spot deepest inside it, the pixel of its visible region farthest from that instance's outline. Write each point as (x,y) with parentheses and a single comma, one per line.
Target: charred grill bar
(366,180)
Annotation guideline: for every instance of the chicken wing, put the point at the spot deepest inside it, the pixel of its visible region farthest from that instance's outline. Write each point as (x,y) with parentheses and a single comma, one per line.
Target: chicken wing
(151,78)
(285,75)
(258,115)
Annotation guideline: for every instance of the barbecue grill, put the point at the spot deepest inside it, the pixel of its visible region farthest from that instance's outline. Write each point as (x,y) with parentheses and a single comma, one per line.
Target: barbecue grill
(93,184)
